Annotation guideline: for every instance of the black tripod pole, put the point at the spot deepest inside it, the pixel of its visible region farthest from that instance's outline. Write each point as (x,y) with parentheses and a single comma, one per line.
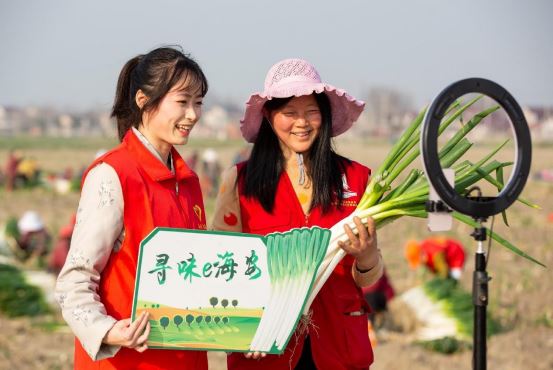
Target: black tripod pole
(480,300)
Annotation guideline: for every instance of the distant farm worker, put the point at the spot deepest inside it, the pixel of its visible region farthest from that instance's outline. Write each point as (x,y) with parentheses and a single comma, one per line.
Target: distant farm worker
(141,184)
(11,169)
(28,171)
(377,296)
(61,248)
(442,256)
(33,240)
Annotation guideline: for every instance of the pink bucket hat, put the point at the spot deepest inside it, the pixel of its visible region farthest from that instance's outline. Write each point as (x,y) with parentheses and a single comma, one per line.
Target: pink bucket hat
(297,77)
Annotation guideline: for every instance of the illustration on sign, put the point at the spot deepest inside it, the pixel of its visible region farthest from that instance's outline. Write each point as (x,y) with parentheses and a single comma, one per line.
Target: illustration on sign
(226,291)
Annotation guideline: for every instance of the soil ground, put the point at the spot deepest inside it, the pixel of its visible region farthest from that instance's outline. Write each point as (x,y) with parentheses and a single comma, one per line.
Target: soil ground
(520,291)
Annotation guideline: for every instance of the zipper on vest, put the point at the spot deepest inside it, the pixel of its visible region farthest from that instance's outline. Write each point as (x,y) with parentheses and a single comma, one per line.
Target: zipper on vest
(179,203)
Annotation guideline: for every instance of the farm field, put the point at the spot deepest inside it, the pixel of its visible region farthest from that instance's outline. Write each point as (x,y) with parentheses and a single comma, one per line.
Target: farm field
(520,291)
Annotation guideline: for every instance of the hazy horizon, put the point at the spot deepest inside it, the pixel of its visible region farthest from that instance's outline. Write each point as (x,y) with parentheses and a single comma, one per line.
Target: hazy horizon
(68,54)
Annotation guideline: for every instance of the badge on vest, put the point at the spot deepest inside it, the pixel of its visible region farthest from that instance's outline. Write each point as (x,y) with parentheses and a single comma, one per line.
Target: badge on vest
(347,194)
(198,212)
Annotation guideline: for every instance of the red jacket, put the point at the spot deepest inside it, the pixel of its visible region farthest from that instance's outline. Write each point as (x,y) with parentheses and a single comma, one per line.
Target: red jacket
(338,341)
(151,199)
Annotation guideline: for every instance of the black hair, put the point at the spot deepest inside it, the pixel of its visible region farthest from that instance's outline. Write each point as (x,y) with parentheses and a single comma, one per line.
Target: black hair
(263,169)
(155,73)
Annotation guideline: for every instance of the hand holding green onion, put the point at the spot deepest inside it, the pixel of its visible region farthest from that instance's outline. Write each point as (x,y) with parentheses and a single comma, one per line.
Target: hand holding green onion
(362,245)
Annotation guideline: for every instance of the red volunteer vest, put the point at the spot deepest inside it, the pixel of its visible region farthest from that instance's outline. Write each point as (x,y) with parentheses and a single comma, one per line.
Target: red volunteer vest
(153,197)
(338,341)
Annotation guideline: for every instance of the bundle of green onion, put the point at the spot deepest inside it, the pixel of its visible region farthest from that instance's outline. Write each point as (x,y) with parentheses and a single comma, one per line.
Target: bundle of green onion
(385,200)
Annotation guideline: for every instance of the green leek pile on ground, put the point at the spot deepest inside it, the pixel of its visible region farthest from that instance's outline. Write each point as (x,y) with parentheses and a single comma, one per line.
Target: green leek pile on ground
(17,297)
(458,305)
(392,193)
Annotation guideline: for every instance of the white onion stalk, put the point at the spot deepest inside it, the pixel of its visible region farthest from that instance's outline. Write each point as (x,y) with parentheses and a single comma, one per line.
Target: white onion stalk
(333,256)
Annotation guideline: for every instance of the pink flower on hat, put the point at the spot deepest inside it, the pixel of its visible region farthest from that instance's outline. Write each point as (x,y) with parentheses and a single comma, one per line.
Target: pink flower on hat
(297,77)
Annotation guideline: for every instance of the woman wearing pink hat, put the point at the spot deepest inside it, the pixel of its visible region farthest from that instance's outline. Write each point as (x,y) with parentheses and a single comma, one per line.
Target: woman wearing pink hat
(295,179)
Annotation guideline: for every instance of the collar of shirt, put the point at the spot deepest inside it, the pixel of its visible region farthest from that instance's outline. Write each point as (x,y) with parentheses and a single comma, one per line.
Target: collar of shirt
(153,150)
(152,163)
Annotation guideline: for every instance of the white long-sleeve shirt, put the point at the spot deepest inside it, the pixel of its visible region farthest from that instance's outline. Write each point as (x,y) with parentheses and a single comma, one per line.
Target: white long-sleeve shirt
(98,233)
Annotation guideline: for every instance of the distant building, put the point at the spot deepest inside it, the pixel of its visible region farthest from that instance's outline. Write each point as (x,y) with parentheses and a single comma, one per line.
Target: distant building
(4,128)
(387,114)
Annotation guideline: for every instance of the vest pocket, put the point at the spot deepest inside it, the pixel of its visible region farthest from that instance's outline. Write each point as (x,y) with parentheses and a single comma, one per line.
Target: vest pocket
(354,319)
(357,341)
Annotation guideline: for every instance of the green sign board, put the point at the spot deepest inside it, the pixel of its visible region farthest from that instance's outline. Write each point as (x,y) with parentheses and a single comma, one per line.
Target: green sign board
(225,291)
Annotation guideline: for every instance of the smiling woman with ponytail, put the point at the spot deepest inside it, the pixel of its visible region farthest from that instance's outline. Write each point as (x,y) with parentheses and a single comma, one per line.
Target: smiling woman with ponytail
(141,184)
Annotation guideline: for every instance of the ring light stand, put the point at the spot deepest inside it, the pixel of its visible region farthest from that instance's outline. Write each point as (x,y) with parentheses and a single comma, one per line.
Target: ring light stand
(479,207)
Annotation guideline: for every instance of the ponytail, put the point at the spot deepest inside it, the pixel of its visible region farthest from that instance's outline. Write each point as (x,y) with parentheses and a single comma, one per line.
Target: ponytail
(125,110)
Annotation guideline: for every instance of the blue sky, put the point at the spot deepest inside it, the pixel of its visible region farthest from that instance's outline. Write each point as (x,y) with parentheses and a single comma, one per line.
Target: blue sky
(68,53)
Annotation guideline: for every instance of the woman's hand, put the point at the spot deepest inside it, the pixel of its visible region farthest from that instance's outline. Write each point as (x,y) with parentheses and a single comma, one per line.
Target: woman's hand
(255,355)
(130,334)
(362,246)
